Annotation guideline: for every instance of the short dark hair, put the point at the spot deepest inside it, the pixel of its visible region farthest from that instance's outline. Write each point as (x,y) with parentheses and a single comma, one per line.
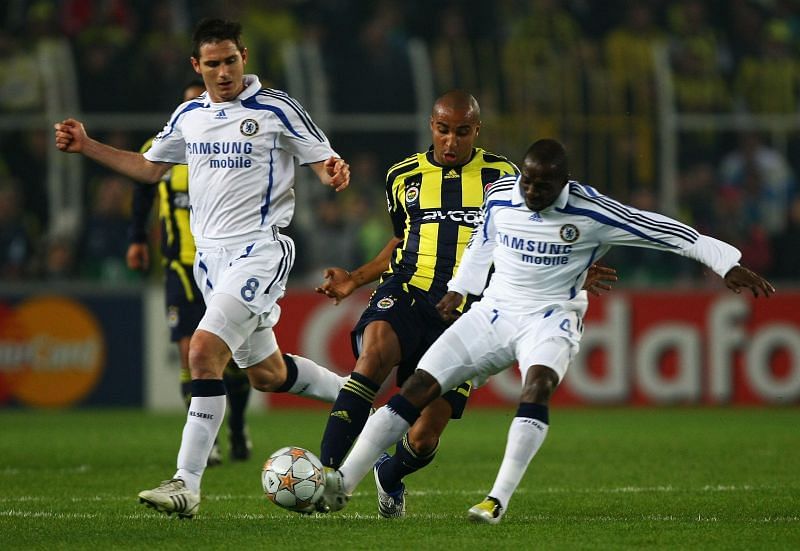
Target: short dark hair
(548,151)
(216,30)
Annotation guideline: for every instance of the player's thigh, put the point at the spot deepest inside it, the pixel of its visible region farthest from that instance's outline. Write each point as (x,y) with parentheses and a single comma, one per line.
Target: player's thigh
(386,332)
(552,341)
(379,350)
(478,344)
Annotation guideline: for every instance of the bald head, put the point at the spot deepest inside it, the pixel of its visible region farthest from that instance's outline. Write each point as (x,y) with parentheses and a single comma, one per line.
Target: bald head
(455,123)
(458,100)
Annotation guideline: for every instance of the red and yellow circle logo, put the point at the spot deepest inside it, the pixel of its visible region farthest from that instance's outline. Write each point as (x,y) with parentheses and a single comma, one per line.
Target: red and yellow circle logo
(52,352)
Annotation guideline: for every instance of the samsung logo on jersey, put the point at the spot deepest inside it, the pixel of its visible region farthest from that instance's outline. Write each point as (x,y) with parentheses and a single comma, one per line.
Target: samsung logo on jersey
(219,148)
(469,217)
(529,245)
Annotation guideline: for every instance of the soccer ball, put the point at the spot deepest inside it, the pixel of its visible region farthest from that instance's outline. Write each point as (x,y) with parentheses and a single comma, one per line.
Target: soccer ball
(293,479)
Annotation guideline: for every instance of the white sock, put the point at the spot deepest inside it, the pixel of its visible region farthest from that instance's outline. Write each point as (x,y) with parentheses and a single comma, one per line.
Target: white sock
(525,437)
(315,381)
(202,425)
(383,429)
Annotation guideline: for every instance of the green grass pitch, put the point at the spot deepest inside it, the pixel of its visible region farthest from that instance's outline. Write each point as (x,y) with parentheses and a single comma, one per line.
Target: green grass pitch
(670,478)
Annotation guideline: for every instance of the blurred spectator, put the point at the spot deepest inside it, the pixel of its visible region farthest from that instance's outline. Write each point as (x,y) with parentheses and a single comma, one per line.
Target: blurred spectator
(539,58)
(58,262)
(374,228)
(16,239)
(744,25)
(463,58)
(27,162)
(269,25)
(697,197)
(629,50)
(334,239)
(80,16)
(20,81)
(367,206)
(763,178)
(105,54)
(700,60)
(630,53)
(768,81)
(373,74)
(786,261)
(161,64)
(104,242)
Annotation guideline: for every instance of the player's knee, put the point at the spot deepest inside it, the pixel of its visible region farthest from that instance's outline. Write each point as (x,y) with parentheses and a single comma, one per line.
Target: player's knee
(208,356)
(421,388)
(540,383)
(375,364)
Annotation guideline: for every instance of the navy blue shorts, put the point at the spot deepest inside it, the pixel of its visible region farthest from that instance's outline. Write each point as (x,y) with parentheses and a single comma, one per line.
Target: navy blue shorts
(417,325)
(184,301)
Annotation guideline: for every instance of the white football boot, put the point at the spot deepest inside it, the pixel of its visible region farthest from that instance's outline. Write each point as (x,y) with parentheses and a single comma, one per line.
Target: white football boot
(172,496)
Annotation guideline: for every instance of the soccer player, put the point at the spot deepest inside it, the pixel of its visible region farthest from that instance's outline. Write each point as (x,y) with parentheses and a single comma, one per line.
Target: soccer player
(240,142)
(434,200)
(541,231)
(184,301)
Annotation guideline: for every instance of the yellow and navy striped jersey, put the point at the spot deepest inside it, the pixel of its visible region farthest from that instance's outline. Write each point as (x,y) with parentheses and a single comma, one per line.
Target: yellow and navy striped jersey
(434,210)
(177,243)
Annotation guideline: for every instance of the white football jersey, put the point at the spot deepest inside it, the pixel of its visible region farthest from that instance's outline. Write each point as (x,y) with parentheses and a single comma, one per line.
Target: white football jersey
(541,258)
(241,156)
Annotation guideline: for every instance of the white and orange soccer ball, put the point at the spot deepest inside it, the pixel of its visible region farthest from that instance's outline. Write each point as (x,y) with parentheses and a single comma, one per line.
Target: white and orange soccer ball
(293,479)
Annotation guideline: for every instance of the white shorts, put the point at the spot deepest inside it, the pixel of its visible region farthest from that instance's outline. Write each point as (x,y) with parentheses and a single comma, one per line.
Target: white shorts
(485,341)
(241,285)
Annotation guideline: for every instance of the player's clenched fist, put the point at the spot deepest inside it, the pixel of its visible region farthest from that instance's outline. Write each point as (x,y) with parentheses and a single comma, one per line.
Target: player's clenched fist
(339,172)
(70,135)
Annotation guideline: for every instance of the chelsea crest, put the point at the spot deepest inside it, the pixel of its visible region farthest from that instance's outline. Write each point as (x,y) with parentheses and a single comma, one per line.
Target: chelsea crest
(569,233)
(249,127)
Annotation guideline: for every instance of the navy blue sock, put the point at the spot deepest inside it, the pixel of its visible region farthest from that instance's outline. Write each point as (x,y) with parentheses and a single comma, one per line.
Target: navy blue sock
(291,374)
(238,387)
(534,411)
(186,392)
(208,387)
(404,462)
(347,418)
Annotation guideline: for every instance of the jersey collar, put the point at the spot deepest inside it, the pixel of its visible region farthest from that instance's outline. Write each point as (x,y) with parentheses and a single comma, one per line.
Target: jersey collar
(559,203)
(431,160)
(252,86)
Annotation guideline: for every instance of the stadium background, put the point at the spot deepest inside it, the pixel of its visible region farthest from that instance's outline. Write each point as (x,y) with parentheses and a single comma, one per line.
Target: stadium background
(686,107)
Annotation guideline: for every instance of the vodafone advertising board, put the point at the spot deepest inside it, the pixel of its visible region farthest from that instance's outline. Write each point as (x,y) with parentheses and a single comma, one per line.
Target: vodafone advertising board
(639,348)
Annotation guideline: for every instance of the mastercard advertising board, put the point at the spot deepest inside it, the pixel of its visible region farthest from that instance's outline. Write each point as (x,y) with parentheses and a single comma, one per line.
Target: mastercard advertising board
(59,351)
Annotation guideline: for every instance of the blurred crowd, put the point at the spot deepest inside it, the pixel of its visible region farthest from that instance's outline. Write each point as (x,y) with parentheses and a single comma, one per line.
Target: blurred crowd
(582,71)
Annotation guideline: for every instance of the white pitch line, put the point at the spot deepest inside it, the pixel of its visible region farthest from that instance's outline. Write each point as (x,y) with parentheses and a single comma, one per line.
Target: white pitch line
(720,488)
(150,516)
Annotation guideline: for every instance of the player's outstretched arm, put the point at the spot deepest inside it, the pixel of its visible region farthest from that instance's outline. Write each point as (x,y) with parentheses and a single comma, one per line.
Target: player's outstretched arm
(599,278)
(447,307)
(334,172)
(340,284)
(740,277)
(71,137)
